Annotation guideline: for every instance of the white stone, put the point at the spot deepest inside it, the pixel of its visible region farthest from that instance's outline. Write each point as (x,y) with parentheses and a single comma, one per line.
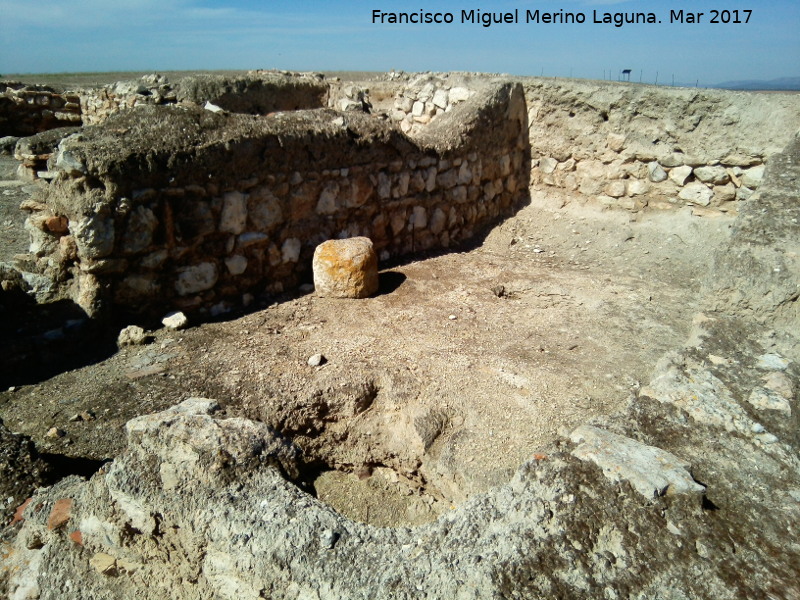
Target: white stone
(132,335)
(196,278)
(419,218)
(547,164)
(765,399)
(772,362)
(716,175)
(650,470)
(696,193)
(290,251)
(328,199)
(616,189)
(213,107)
(234,213)
(418,109)
(440,98)
(752,177)
(637,187)
(175,320)
(680,174)
(236,264)
(458,94)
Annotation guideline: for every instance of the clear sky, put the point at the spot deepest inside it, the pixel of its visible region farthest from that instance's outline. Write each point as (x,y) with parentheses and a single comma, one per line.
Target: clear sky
(50,36)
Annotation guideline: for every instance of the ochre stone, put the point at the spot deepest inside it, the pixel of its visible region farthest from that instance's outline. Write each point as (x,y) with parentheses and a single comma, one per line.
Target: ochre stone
(346,268)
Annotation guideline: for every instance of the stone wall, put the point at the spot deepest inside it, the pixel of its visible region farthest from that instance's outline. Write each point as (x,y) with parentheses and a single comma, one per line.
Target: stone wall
(258,93)
(176,207)
(29,109)
(633,146)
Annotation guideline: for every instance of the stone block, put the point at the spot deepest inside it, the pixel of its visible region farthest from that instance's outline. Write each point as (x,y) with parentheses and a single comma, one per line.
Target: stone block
(234,213)
(346,268)
(696,193)
(679,175)
(752,177)
(656,173)
(716,175)
(196,278)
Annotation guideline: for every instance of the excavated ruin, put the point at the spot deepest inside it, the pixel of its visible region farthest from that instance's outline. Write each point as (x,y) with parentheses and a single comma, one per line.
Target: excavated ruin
(578,378)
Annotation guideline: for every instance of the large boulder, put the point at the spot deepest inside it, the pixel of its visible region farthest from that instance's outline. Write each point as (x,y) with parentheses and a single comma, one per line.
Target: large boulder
(346,268)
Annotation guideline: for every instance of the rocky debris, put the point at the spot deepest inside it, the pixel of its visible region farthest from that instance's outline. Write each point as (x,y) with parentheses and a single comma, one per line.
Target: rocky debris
(132,335)
(651,471)
(21,471)
(346,268)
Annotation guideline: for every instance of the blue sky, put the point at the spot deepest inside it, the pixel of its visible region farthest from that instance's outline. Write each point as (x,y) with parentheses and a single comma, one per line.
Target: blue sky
(159,35)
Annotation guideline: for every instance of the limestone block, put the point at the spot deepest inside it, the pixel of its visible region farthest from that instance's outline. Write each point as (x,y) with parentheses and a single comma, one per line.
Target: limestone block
(345,268)
(673,160)
(615,141)
(458,94)
(264,210)
(141,225)
(418,109)
(438,221)
(290,251)
(616,189)
(725,193)
(447,179)
(637,187)
(464,174)
(234,213)
(440,98)
(650,470)
(132,335)
(196,278)
(656,173)
(419,217)
(236,264)
(547,164)
(95,236)
(752,177)
(696,193)
(716,175)
(328,203)
(680,174)
(404,104)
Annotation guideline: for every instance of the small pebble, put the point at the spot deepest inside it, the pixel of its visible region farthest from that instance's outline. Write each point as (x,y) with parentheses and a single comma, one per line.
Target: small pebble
(316,360)
(55,432)
(757,428)
(452,317)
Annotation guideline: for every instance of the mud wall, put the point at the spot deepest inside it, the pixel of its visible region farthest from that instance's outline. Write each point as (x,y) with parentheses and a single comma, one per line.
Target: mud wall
(26,109)
(633,146)
(181,208)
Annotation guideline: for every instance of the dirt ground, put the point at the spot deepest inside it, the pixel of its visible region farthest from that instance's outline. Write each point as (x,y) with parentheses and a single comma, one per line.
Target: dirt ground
(462,367)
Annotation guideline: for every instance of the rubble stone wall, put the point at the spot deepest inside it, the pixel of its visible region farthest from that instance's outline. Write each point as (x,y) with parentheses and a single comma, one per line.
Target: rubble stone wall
(178,207)
(26,109)
(632,146)
(256,94)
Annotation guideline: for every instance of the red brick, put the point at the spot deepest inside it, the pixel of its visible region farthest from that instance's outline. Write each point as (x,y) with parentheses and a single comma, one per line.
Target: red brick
(61,513)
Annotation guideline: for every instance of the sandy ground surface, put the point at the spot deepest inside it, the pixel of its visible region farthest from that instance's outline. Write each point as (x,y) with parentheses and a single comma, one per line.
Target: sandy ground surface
(465,365)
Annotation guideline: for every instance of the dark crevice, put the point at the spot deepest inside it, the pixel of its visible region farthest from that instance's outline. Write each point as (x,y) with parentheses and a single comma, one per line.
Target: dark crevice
(61,466)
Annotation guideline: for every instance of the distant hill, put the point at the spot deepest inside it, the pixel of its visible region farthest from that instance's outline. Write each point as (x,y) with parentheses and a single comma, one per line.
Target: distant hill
(784,83)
